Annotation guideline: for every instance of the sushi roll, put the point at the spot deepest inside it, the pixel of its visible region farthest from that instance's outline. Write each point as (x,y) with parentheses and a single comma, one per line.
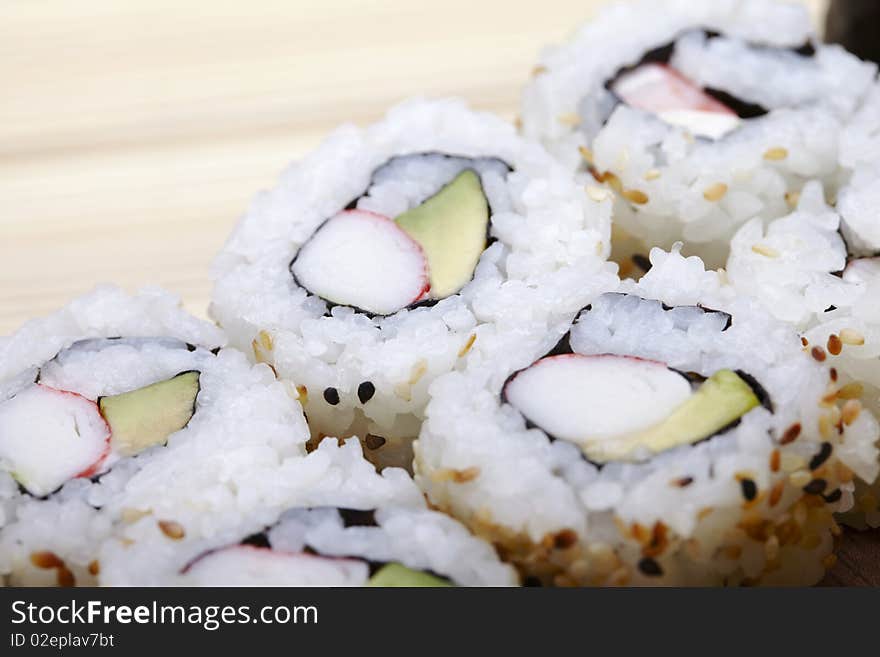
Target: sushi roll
(390,254)
(699,116)
(676,435)
(389,539)
(818,270)
(121,406)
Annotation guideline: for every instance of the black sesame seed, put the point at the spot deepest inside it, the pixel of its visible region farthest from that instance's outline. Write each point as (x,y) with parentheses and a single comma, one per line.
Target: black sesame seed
(331,396)
(749,489)
(833,496)
(816,487)
(366,390)
(650,567)
(821,456)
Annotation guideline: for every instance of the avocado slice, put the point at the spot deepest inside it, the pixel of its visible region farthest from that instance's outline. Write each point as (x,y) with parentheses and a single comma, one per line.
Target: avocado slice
(452,228)
(722,399)
(145,417)
(398,575)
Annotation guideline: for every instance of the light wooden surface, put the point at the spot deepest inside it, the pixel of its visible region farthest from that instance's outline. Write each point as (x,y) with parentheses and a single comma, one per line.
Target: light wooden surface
(132,134)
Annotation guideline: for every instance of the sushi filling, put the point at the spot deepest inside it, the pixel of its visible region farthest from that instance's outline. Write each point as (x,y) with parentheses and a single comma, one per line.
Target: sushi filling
(283,556)
(622,408)
(415,236)
(655,85)
(55,427)
(48,436)
(666,93)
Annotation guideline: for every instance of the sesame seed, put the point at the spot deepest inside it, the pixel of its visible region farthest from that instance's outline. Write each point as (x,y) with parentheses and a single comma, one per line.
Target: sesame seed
(636,196)
(94,567)
(851,411)
(597,194)
(851,337)
(833,497)
(650,567)
(776,153)
(818,353)
(65,577)
(46,559)
(331,396)
(571,119)
(775,459)
(467,345)
(834,345)
(792,462)
(366,390)
(652,174)
(833,374)
(171,529)
(804,341)
(821,456)
(852,390)
(418,371)
(374,442)
(682,482)
(466,475)
(764,250)
(816,487)
(265,340)
(825,426)
(715,192)
(791,434)
(612,180)
(799,478)
(776,493)
(749,489)
(565,539)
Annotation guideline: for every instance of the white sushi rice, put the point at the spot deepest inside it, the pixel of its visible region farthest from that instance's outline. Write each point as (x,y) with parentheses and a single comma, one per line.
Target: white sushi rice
(239,463)
(141,554)
(564,521)
(245,424)
(789,265)
(815,270)
(672,186)
(547,260)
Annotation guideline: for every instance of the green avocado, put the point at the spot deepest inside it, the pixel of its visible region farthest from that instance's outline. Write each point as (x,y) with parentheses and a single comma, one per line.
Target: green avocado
(452,228)
(141,418)
(397,575)
(722,399)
